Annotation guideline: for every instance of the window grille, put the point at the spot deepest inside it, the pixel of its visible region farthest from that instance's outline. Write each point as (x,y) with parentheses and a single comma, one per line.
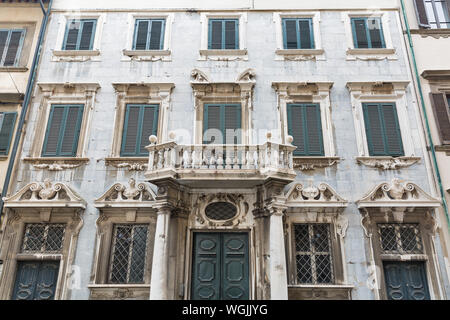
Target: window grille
(128,258)
(43,238)
(400,238)
(313,254)
(220,211)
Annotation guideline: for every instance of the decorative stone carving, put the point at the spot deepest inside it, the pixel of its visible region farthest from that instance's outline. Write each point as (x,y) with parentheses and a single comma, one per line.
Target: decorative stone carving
(388,163)
(322,193)
(122,194)
(247,76)
(312,163)
(199,76)
(56,166)
(130,166)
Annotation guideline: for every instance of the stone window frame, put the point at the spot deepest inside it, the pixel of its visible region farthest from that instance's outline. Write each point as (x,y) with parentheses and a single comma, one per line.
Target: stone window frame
(60,55)
(27,46)
(227,54)
(148,55)
(14,227)
(353,53)
(59,93)
(392,92)
(318,53)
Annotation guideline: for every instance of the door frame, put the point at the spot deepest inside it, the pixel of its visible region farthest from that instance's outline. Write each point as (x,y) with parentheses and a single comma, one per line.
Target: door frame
(190,258)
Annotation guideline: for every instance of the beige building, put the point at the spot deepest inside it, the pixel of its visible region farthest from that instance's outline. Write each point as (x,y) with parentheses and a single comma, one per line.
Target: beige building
(429,26)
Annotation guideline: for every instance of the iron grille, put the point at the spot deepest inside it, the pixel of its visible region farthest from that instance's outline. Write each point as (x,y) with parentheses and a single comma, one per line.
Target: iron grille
(220,211)
(43,238)
(313,254)
(400,238)
(128,259)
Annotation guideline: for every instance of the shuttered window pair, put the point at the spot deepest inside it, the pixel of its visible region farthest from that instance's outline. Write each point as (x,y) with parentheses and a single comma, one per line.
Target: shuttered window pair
(434,14)
(382,129)
(367,33)
(79,34)
(304,125)
(223,34)
(7,121)
(222,123)
(11,42)
(441,109)
(298,33)
(63,130)
(141,121)
(149,34)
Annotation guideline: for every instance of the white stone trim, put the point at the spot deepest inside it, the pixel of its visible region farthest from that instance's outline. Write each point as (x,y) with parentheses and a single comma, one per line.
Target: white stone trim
(223,55)
(303,54)
(389,52)
(58,54)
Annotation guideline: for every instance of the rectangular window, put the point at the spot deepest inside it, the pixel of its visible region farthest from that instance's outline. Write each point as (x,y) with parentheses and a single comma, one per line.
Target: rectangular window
(141,121)
(79,34)
(400,238)
(382,129)
(43,238)
(437,13)
(223,34)
(63,130)
(305,126)
(7,122)
(222,124)
(313,254)
(11,42)
(441,110)
(128,254)
(298,33)
(368,33)
(149,34)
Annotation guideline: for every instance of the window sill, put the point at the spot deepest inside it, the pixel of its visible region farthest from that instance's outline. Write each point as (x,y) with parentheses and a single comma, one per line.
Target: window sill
(128,163)
(56,163)
(119,291)
(319,292)
(13,69)
(371,54)
(403,257)
(147,55)
(435,33)
(299,54)
(4,157)
(311,163)
(388,163)
(75,55)
(224,55)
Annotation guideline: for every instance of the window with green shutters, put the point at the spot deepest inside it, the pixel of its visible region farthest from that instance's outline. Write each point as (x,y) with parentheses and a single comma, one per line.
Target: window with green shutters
(305,126)
(222,124)
(298,33)
(141,121)
(7,122)
(63,130)
(223,34)
(79,34)
(149,34)
(368,33)
(382,129)
(11,42)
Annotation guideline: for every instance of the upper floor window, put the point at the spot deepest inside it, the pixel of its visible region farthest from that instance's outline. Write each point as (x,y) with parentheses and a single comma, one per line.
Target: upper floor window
(441,110)
(43,238)
(7,121)
(298,33)
(63,130)
(79,34)
(11,42)
(223,34)
(304,125)
(367,33)
(434,14)
(149,34)
(382,129)
(141,121)
(222,123)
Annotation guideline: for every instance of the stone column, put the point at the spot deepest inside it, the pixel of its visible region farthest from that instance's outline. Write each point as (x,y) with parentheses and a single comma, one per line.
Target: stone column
(160,266)
(278,273)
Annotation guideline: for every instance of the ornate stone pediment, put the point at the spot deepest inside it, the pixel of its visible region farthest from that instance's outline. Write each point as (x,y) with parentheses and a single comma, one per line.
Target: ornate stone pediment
(247,76)
(131,195)
(46,194)
(199,76)
(314,196)
(388,163)
(398,194)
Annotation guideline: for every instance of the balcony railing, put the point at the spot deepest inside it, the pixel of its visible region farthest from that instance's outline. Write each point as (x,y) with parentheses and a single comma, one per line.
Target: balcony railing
(220,162)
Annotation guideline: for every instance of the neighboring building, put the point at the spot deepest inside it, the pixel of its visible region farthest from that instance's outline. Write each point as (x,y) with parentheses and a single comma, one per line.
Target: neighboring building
(429,22)
(176,151)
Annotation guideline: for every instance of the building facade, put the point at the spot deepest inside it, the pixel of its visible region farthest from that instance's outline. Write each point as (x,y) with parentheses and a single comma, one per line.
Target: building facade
(177,150)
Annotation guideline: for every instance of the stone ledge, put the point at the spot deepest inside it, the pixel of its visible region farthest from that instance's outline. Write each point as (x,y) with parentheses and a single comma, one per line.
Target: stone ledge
(13,69)
(119,291)
(312,163)
(371,54)
(435,33)
(56,163)
(75,55)
(319,292)
(388,163)
(148,55)
(300,54)
(129,163)
(224,55)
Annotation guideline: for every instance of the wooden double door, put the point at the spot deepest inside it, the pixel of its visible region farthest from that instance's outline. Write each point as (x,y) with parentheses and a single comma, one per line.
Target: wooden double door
(220,268)
(406,280)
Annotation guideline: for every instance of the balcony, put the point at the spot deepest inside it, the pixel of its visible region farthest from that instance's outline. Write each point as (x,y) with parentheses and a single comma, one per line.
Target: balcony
(221,166)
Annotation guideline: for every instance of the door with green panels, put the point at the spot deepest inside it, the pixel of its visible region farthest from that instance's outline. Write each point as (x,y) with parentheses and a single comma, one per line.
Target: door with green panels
(406,280)
(220,269)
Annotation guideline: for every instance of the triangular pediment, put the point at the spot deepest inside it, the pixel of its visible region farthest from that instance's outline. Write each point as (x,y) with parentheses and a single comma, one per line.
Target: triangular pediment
(322,195)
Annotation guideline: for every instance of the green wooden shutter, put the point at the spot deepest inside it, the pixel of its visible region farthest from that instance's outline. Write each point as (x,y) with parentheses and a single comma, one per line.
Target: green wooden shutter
(231,39)
(290,34)
(225,119)
(313,130)
(156,35)
(374,130)
(6,131)
(393,138)
(215,34)
(360,33)
(3,39)
(232,124)
(54,127)
(141,33)
(442,116)
(305,29)
(131,130)
(149,126)
(87,35)
(296,124)
(71,37)
(375,33)
(212,120)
